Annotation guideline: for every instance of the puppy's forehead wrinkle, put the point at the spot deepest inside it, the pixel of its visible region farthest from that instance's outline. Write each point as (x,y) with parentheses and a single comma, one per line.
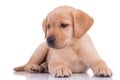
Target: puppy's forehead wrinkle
(58,12)
(57,17)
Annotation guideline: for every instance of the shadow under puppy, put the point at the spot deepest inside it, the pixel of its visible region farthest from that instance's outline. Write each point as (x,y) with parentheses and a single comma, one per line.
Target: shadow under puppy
(68,48)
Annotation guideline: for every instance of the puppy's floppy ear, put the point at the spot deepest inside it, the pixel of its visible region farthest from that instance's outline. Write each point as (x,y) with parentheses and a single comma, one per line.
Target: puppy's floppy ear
(81,22)
(44,26)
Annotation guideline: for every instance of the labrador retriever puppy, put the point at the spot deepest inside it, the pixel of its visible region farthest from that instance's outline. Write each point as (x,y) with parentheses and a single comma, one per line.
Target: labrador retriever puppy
(68,48)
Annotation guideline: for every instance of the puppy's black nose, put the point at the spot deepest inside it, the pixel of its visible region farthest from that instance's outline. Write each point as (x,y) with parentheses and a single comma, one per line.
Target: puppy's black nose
(51,40)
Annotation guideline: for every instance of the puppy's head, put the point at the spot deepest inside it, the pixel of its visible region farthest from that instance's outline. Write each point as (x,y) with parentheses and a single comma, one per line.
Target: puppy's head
(64,24)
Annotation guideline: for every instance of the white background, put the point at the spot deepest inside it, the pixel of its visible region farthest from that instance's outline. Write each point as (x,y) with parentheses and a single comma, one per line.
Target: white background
(21,30)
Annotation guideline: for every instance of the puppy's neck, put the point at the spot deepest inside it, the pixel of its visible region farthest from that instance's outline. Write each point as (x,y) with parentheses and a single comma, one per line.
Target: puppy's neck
(76,42)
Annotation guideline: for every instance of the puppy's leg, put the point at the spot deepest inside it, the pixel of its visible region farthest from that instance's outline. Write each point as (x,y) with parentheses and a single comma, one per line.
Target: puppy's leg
(36,59)
(90,57)
(59,69)
(100,69)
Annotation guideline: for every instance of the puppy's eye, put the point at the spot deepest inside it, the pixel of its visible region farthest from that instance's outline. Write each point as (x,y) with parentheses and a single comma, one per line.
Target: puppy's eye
(48,26)
(63,25)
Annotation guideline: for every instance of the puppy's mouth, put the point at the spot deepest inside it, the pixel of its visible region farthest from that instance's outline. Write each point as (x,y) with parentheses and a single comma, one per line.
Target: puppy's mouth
(51,41)
(57,46)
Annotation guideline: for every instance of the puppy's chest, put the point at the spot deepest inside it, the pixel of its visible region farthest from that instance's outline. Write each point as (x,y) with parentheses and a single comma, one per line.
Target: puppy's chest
(69,57)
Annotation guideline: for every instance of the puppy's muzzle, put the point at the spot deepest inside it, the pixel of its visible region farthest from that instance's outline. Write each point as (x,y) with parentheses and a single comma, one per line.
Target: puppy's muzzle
(51,41)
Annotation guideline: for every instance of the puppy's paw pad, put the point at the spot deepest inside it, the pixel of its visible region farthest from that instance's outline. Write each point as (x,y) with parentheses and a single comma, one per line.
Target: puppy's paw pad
(103,71)
(34,68)
(62,71)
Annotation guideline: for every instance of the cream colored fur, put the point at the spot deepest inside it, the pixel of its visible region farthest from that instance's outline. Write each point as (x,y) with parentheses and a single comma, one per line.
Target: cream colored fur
(73,50)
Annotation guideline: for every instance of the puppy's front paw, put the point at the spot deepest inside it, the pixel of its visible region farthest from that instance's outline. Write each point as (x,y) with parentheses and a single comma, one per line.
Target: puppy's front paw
(102,71)
(62,71)
(33,68)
